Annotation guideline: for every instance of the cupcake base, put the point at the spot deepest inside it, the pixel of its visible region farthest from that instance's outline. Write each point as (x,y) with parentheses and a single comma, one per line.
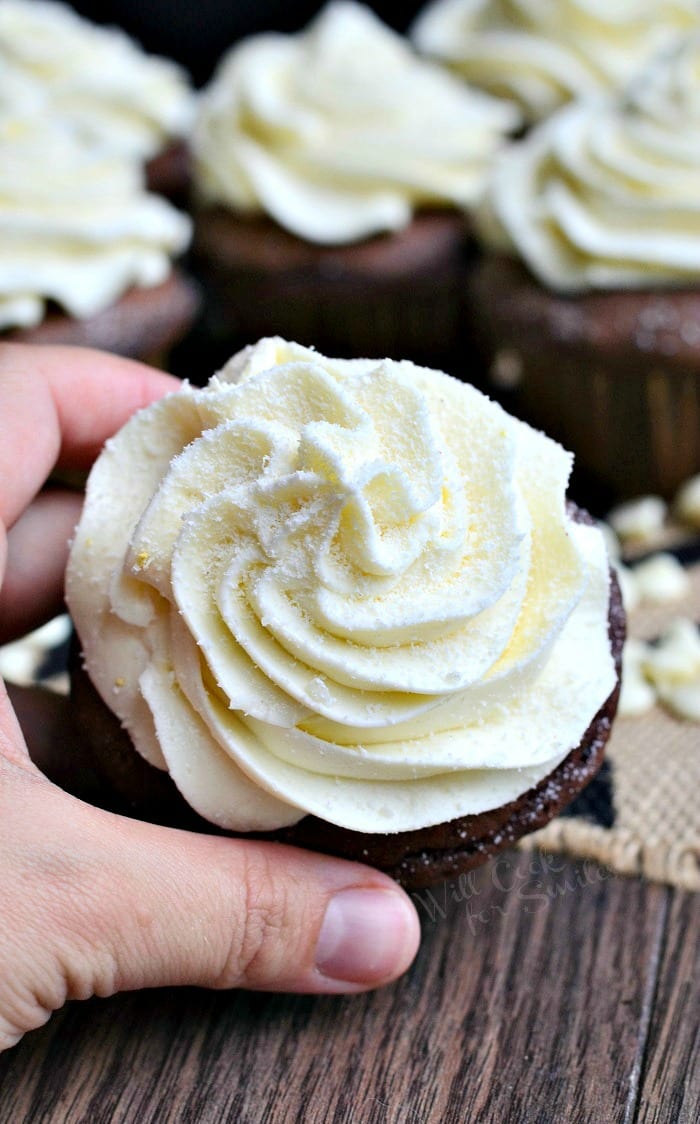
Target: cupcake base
(614,376)
(143,324)
(111,773)
(395,294)
(168,173)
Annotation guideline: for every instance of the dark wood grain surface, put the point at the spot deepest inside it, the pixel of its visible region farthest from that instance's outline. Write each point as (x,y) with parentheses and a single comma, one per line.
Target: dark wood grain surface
(671,1078)
(545,992)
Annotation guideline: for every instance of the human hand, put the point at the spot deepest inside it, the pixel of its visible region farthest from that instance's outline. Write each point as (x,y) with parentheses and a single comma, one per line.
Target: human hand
(93,903)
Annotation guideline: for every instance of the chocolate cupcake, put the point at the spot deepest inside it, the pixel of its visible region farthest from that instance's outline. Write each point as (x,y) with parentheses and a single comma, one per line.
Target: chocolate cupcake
(144,323)
(86,254)
(589,306)
(343,603)
(102,83)
(541,55)
(331,171)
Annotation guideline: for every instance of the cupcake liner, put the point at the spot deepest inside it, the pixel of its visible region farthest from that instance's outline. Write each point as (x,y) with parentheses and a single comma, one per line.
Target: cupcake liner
(395,295)
(169,173)
(144,324)
(614,376)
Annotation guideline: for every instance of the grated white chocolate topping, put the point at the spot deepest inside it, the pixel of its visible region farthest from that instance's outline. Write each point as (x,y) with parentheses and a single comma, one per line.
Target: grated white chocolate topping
(80,236)
(637,695)
(686,504)
(661,579)
(667,671)
(640,520)
(606,195)
(340,132)
(96,78)
(544,53)
(347,588)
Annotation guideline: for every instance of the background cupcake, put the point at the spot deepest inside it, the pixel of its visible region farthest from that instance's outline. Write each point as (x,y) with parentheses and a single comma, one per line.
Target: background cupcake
(543,53)
(100,81)
(589,305)
(86,254)
(331,168)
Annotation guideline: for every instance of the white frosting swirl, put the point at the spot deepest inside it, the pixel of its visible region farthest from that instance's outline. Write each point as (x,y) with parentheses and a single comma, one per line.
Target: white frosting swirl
(346,588)
(340,132)
(96,78)
(81,235)
(543,53)
(607,195)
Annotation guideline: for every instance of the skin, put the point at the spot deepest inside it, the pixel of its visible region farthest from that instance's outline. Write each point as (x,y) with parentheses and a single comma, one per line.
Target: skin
(93,903)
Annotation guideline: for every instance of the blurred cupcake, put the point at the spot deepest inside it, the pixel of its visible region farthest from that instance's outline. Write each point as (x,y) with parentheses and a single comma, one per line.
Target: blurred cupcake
(101,81)
(85,252)
(331,170)
(543,53)
(591,309)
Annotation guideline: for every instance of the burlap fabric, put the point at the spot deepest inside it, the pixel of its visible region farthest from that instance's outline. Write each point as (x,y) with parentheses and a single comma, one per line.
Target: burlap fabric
(641,815)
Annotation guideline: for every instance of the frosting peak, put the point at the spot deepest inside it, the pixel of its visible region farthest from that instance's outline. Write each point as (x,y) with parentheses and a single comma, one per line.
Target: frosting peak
(346,588)
(339,132)
(93,77)
(81,236)
(543,53)
(607,194)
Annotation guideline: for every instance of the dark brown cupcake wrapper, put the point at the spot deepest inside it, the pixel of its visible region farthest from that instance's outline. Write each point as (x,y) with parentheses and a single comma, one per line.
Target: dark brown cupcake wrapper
(169,173)
(614,376)
(143,324)
(397,295)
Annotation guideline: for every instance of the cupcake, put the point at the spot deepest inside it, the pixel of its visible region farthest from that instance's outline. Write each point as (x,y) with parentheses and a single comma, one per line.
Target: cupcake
(544,53)
(86,254)
(100,80)
(331,170)
(589,303)
(343,603)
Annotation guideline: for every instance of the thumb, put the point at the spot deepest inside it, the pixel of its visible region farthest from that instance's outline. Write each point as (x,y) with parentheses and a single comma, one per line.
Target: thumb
(102,904)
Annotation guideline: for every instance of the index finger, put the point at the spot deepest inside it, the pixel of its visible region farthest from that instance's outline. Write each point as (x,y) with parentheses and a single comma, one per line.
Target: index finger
(58,405)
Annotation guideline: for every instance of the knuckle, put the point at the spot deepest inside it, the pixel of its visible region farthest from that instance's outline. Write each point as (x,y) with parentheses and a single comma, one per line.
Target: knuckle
(16,1020)
(45,940)
(263,937)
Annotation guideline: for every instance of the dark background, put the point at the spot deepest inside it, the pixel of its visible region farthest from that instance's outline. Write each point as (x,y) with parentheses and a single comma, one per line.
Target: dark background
(197,32)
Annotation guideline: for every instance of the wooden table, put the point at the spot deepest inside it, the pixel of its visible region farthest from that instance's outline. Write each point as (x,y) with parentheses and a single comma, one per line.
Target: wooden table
(545,992)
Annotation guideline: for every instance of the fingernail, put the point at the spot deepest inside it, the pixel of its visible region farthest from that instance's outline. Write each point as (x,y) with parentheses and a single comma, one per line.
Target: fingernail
(367,936)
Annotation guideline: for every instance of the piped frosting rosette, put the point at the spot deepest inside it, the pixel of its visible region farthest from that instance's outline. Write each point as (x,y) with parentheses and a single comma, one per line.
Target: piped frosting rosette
(543,53)
(340,132)
(347,588)
(96,78)
(80,236)
(606,195)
